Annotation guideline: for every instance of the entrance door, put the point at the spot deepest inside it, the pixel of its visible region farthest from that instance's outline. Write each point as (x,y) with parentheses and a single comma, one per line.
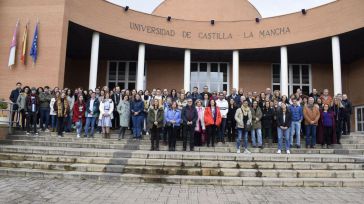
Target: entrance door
(215,75)
(359,119)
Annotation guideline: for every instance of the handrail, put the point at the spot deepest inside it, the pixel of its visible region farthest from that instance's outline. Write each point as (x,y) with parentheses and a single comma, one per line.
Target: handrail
(9,112)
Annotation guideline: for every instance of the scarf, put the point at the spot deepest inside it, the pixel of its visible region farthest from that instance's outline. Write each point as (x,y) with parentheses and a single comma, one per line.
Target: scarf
(245,110)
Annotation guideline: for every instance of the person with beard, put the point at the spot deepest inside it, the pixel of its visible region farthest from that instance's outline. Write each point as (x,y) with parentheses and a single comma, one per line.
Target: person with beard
(189,118)
(62,108)
(13,97)
(31,110)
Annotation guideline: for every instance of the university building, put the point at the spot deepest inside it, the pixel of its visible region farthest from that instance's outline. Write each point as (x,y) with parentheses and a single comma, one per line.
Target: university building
(249,44)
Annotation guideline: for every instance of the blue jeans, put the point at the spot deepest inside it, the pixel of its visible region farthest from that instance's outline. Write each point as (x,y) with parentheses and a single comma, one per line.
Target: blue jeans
(53,121)
(137,125)
(222,129)
(311,135)
(90,123)
(79,126)
(238,139)
(44,117)
(259,137)
(280,138)
(296,129)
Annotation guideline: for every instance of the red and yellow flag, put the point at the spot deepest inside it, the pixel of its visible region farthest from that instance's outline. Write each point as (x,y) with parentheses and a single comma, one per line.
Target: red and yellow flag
(24,44)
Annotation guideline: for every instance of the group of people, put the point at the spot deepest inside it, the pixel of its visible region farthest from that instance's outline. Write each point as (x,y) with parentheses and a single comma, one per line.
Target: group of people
(198,118)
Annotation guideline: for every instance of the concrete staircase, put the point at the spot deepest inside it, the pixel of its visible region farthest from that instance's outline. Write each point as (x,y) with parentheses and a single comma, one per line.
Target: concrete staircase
(48,156)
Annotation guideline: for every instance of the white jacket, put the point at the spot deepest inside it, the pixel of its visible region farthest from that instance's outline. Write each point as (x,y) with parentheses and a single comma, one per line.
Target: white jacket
(200,118)
(51,105)
(102,111)
(224,107)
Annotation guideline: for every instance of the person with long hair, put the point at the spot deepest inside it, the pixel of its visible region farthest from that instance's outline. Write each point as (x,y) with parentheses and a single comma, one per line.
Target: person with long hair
(173,120)
(256,130)
(62,108)
(327,131)
(155,123)
(52,112)
(137,111)
(284,120)
(267,122)
(78,117)
(338,109)
(124,114)
(21,102)
(200,124)
(243,118)
(106,108)
(212,122)
(230,122)
(70,97)
(173,95)
(31,110)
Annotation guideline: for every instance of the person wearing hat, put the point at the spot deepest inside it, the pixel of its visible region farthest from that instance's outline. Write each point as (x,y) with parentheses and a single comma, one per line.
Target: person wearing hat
(31,110)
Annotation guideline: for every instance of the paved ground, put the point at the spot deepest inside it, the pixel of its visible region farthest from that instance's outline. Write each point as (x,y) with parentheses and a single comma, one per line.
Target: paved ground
(33,190)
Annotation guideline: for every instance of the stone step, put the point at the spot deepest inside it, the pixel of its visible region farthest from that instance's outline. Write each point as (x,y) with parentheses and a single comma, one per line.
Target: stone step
(271,173)
(185,180)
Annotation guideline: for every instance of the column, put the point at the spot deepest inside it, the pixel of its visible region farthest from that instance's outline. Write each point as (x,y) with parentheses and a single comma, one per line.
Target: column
(187,70)
(94,60)
(236,69)
(140,69)
(284,71)
(336,64)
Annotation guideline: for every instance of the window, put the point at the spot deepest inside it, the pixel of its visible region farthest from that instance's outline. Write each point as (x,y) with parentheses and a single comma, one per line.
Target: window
(359,119)
(215,75)
(299,76)
(121,73)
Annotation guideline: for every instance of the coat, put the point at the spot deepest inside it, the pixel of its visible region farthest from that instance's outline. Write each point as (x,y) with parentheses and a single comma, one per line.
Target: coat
(320,129)
(231,116)
(152,118)
(175,115)
(124,113)
(45,99)
(267,117)
(21,101)
(256,118)
(311,115)
(137,106)
(79,111)
(288,120)
(201,119)
(189,113)
(62,110)
(239,118)
(209,120)
(102,111)
(28,104)
(95,108)
(13,97)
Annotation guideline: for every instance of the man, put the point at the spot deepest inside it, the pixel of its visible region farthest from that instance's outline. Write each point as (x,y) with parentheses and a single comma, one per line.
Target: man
(92,112)
(97,92)
(268,93)
(314,94)
(195,95)
(234,95)
(31,110)
(205,91)
(311,114)
(348,109)
(189,118)
(224,108)
(250,98)
(325,98)
(165,94)
(116,99)
(44,109)
(297,117)
(13,97)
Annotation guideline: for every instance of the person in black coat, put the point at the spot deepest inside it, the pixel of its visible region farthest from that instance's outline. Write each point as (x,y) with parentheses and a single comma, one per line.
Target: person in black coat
(189,118)
(31,110)
(116,99)
(284,119)
(14,97)
(339,111)
(267,122)
(348,110)
(230,122)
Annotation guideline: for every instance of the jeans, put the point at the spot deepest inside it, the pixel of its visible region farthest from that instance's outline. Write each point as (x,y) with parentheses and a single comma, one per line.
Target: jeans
(295,129)
(53,121)
(286,136)
(311,135)
(259,137)
(44,117)
(90,123)
(238,139)
(79,126)
(137,125)
(222,130)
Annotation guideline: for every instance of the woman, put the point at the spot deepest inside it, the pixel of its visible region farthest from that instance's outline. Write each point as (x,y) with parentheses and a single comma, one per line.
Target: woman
(155,123)
(319,103)
(106,108)
(243,118)
(213,120)
(173,95)
(256,129)
(137,110)
(173,121)
(78,117)
(284,119)
(53,113)
(206,100)
(147,103)
(338,109)
(71,100)
(200,124)
(230,121)
(21,101)
(285,100)
(267,122)
(62,108)
(181,102)
(124,114)
(326,130)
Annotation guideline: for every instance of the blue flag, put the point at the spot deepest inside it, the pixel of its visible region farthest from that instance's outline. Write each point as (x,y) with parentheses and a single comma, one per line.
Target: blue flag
(34,49)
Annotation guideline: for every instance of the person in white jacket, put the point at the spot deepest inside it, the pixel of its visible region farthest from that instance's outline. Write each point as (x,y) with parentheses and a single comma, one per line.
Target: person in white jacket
(224,108)
(52,113)
(105,117)
(200,124)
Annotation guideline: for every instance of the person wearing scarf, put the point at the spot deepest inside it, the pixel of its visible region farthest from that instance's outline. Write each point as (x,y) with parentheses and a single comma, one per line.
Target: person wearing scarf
(243,118)
(200,124)
(62,108)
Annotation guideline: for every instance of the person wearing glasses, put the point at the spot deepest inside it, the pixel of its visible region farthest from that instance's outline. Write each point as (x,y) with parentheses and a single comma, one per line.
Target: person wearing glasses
(189,118)
(173,121)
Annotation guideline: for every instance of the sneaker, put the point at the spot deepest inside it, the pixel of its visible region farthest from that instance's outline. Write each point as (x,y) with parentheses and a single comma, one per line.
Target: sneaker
(28,133)
(147,133)
(279,151)
(238,151)
(246,151)
(288,152)
(47,130)
(78,136)
(36,134)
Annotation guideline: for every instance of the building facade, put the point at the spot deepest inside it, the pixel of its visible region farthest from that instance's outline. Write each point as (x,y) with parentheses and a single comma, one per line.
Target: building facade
(182,44)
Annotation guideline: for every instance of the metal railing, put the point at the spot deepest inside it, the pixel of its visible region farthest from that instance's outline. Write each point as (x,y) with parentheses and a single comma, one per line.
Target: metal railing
(6,116)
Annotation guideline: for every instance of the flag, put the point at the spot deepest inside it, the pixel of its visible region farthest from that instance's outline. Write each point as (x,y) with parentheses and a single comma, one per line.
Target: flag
(13,46)
(34,49)
(24,45)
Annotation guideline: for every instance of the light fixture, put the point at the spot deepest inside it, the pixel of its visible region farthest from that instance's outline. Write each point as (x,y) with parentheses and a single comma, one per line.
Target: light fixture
(169,18)
(126,8)
(212,22)
(257,20)
(304,11)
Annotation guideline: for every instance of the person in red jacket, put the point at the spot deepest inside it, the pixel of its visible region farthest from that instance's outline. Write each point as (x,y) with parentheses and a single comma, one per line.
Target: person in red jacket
(212,122)
(79,110)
